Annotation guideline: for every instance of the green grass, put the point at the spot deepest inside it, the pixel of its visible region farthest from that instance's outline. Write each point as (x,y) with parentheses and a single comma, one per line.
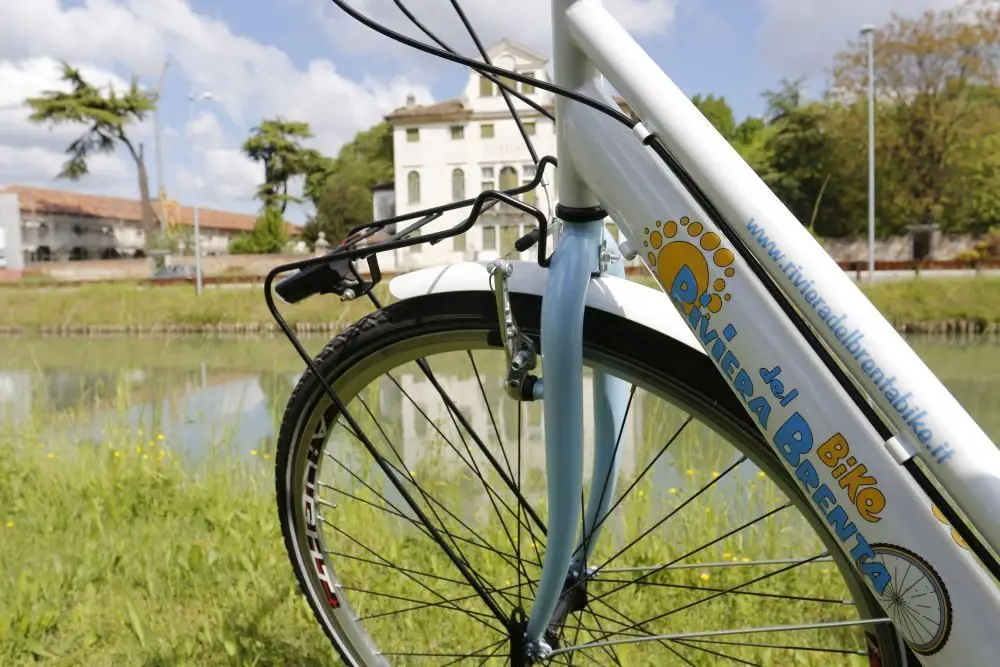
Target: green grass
(114,555)
(937,299)
(174,304)
(117,553)
(916,300)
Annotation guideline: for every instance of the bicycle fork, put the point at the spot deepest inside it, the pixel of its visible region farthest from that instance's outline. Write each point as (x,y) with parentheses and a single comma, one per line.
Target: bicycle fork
(585,250)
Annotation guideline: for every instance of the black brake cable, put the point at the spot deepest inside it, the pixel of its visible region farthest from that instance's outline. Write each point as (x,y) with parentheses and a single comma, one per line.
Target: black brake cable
(492,77)
(607,110)
(503,88)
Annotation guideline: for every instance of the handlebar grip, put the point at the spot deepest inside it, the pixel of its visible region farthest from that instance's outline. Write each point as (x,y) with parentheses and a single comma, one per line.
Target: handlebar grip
(306,282)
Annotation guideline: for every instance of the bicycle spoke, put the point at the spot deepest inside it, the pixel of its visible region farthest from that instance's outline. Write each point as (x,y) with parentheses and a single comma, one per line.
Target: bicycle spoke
(719,633)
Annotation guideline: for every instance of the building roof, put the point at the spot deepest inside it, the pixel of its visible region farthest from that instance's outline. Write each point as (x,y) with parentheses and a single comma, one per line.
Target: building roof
(519,50)
(41,200)
(453,109)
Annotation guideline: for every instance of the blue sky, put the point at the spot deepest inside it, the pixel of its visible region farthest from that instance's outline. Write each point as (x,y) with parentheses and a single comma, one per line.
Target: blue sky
(304,59)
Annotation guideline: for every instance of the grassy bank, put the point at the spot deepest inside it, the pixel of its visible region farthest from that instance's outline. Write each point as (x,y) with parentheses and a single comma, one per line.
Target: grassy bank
(905,302)
(116,556)
(117,553)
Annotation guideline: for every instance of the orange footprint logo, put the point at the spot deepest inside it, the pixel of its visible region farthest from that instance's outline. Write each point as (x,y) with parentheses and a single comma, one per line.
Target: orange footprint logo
(676,244)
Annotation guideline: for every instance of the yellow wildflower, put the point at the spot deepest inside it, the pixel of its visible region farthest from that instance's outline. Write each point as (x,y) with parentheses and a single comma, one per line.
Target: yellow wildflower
(160,437)
(50,455)
(715,473)
(10,523)
(253,452)
(673,489)
(690,472)
(704,576)
(761,474)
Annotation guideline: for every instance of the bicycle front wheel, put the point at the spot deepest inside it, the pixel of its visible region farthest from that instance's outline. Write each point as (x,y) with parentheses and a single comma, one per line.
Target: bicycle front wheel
(421,547)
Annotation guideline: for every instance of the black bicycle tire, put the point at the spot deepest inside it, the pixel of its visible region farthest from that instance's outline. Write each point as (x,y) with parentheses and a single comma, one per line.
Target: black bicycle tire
(691,373)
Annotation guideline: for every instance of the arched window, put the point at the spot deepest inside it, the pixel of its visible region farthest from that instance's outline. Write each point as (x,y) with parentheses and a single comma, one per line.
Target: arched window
(413,187)
(457,185)
(508,178)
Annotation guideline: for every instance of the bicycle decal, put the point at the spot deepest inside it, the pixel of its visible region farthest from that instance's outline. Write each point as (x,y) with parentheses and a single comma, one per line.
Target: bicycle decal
(917,602)
(313,455)
(954,533)
(902,401)
(684,268)
(673,254)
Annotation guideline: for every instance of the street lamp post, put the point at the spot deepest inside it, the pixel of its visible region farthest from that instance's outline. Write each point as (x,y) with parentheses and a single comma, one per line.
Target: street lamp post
(869,32)
(192,98)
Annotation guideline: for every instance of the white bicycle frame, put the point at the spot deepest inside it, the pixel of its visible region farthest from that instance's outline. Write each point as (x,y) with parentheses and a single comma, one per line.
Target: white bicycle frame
(853,474)
(744,275)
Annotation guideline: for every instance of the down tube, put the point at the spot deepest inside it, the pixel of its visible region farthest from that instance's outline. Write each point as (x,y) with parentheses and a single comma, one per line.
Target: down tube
(879,516)
(923,411)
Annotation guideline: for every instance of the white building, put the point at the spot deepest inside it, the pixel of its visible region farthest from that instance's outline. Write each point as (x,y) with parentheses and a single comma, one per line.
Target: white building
(53,225)
(453,150)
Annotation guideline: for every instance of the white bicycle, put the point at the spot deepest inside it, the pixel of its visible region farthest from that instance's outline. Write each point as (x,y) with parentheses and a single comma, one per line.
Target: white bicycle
(422,535)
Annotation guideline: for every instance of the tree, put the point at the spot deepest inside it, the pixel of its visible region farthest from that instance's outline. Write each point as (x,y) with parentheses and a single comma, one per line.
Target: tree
(106,115)
(748,137)
(342,192)
(933,81)
(268,235)
(278,144)
(718,112)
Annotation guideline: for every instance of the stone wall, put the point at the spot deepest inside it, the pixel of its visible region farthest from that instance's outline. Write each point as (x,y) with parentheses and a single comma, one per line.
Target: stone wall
(895,248)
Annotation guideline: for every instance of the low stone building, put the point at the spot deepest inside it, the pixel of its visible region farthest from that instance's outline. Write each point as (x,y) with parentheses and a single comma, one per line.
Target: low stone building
(41,225)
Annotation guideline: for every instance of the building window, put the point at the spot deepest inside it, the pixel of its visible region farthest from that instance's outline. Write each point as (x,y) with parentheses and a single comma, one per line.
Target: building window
(527,88)
(509,83)
(489,238)
(487,182)
(485,87)
(529,129)
(486,130)
(508,178)
(529,196)
(413,187)
(529,171)
(415,234)
(457,185)
(412,134)
(458,243)
(457,132)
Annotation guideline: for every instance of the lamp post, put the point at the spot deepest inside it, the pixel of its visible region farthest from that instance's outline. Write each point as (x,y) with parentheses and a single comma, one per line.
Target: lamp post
(868,31)
(192,98)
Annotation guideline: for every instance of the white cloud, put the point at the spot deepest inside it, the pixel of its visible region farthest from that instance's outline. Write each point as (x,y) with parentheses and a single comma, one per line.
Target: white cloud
(527,22)
(249,81)
(802,37)
(32,154)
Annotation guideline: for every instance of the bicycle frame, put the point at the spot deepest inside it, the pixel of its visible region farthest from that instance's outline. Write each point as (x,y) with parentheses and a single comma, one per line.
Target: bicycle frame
(733,259)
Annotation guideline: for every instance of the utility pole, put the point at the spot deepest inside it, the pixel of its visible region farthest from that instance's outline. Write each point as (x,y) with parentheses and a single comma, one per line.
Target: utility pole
(869,32)
(158,129)
(192,98)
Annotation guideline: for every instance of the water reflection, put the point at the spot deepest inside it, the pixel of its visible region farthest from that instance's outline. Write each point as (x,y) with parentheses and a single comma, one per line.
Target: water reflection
(197,392)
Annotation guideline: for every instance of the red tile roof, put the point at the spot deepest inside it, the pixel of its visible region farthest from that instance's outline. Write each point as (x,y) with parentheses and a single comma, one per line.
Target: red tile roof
(40,200)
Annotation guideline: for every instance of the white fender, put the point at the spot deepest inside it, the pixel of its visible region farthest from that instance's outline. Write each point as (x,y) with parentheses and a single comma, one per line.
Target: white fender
(632,301)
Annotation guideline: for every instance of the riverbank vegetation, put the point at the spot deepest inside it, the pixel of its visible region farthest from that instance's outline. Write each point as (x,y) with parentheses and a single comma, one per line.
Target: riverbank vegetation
(118,551)
(904,302)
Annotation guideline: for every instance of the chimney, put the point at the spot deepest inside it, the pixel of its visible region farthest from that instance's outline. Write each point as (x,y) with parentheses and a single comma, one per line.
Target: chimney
(411,100)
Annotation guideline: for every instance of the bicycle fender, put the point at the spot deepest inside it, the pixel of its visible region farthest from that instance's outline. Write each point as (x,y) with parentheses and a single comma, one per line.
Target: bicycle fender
(637,303)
